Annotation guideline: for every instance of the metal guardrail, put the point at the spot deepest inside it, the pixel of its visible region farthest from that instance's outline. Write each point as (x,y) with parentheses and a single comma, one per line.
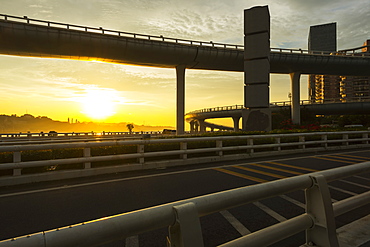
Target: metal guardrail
(182,217)
(29,135)
(349,52)
(275,143)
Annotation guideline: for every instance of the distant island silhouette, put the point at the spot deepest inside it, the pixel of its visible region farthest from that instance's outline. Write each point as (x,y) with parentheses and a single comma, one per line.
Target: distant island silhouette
(29,123)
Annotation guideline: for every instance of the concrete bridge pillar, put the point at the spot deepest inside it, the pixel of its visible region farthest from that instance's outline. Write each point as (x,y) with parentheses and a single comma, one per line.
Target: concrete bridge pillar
(180,99)
(257,115)
(192,126)
(295,88)
(202,126)
(236,123)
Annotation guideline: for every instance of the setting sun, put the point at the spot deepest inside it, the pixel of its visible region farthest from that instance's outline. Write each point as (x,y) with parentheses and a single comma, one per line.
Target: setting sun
(99,104)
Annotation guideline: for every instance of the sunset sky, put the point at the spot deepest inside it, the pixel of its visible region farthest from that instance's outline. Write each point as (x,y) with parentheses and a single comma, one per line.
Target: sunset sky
(62,89)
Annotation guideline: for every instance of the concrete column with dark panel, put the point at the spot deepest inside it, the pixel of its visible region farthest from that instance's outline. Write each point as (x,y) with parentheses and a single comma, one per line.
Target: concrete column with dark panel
(257,114)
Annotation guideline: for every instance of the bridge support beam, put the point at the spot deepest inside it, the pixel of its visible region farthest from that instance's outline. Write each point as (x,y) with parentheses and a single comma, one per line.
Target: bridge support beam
(202,126)
(180,99)
(236,123)
(257,115)
(192,126)
(296,97)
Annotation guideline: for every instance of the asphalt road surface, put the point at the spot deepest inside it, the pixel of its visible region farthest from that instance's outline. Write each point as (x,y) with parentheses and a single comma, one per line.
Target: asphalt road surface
(32,208)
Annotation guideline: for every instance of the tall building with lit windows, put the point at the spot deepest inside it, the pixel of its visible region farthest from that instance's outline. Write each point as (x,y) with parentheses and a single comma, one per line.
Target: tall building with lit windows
(356,88)
(334,88)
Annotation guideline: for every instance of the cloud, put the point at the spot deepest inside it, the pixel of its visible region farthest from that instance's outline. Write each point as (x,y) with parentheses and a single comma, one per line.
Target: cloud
(292,18)
(221,21)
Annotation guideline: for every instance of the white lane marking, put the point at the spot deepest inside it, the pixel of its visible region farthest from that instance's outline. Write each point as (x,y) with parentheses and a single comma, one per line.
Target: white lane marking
(367,179)
(132,241)
(102,182)
(356,184)
(289,199)
(344,191)
(235,223)
(271,212)
(355,233)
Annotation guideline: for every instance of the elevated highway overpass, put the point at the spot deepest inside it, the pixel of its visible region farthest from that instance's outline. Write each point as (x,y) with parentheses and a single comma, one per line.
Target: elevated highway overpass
(197,118)
(22,36)
(65,41)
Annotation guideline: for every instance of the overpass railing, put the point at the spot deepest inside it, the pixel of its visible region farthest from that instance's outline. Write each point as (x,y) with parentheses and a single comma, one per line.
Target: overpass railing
(44,162)
(358,52)
(102,30)
(182,217)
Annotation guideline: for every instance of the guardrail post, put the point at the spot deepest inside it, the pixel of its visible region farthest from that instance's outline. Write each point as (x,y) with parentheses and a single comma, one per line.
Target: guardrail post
(140,149)
(87,153)
(345,138)
(366,137)
(325,139)
(277,141)
(17,159)
(186,232)
(219,145)
(319,206)
(250,143)
(302,139)
(183,146)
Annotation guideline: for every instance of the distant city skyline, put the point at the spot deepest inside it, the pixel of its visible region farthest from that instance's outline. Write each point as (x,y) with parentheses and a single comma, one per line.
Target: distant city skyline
(37,124)
(92,91)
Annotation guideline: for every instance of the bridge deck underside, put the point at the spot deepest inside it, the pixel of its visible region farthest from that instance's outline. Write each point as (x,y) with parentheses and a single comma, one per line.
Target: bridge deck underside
(21,39)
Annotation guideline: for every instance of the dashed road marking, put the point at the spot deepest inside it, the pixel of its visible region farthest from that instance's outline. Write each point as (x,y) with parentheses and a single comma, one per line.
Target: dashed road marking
(260,172)
(355,184)
(367,179)
(241,175)
(291,166)
(276,169)
(355,156)
(342,190)
(235,223)
(346,158)
(270,212)
(298,203)
(336,160)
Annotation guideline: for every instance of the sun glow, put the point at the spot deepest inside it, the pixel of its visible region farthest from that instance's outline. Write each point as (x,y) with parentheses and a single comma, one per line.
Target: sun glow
(99,104)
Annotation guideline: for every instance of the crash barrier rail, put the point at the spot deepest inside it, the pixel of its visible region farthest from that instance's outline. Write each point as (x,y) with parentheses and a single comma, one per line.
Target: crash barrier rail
(74,134)
(182,217)
(70,139)
(358,51)
(281,103)
(182,151)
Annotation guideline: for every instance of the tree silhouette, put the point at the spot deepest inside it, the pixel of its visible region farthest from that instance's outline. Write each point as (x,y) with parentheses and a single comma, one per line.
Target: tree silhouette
(130,127)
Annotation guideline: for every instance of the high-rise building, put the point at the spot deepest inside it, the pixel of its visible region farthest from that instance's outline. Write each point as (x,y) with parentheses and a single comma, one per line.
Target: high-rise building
(323,87)
(335,88)
(354,88)
(323,37)
(327,88)
(366,46)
